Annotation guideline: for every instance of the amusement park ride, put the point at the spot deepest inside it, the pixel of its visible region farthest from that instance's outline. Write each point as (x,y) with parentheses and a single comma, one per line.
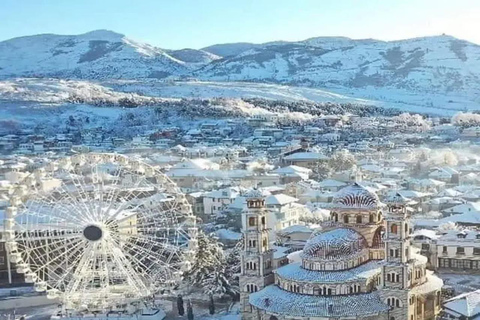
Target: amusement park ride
(101,233)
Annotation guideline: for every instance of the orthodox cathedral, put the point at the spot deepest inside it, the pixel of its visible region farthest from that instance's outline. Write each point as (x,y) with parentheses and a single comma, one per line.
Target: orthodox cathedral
(360,266)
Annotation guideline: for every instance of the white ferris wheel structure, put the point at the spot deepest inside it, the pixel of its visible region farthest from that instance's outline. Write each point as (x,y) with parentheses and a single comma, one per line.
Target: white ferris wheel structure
(100,232)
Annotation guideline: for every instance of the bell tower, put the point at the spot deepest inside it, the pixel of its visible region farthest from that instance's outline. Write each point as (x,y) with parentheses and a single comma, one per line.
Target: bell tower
(397,266)
(257,257)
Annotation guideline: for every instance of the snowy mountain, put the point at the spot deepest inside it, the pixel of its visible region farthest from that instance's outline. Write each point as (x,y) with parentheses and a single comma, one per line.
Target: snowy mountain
(98,54)
(193,56)
(440,64)
(415,70)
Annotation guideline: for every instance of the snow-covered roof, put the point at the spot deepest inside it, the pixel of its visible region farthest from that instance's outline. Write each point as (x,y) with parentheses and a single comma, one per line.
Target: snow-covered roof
(426,233)
(299,156)
(295,229)
(279,199)
(280,251)
(331,183)
(292,169)
(472,217)
(275,300)
(432,284)
(227,193)
(467,304)
(295,272)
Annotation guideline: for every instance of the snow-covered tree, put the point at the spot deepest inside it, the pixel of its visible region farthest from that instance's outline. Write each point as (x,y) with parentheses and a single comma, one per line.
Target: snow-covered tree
(342,160)
(259,166)
(466,119)
(447,226)
(210,271)
(412,122)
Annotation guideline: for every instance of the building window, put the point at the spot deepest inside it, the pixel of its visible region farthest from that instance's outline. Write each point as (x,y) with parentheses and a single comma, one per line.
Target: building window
(359,219)
(444,250)
(370,218)
(251,221)
(251,288)
(460,250)
(394,228)
(345,218)
(476,251)
(263,221)
(335,216)
(425,246)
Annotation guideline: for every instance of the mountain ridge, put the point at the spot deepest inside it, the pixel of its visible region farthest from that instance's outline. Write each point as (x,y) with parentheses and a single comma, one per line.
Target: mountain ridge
(433,64)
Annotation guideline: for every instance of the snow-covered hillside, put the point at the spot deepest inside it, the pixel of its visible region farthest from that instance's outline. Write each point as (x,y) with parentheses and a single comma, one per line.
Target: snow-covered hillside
(216,89)
(438,74)
(98,54)
(152,91)
(440,64)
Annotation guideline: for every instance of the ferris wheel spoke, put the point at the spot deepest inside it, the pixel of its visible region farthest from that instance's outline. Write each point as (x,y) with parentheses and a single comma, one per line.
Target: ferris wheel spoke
(77,244)
(139,250)
(124,266)
(82,194)
(82,268)
(74,212)
(72,265)
(51,206)
(125,203)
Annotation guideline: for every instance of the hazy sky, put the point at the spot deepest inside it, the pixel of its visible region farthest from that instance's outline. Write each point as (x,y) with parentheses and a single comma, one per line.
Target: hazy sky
(197,23)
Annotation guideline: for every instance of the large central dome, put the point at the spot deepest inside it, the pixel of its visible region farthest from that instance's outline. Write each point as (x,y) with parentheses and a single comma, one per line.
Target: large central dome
(356,196)
(334,244)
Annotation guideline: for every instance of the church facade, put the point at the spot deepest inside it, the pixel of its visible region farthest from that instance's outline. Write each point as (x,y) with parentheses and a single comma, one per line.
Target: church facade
(360,266)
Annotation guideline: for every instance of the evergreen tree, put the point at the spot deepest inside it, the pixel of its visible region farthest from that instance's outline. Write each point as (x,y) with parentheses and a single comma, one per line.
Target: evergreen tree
(180,307)
(210,269)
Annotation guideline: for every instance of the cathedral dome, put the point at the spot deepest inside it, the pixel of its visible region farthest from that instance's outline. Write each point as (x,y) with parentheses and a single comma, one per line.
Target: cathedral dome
(356,196)
(334,244)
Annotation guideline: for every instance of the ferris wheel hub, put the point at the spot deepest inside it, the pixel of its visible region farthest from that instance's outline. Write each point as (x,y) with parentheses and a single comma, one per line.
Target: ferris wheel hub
(93,233)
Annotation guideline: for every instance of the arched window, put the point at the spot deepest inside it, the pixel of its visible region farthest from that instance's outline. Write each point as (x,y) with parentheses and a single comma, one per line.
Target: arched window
(359,218)
(251,287)
(371,218)
(345,218)
(406,229)
(335,216)
(394,228)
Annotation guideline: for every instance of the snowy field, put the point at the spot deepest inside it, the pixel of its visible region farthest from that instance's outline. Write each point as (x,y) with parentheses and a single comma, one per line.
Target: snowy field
(56,92)
(388,98)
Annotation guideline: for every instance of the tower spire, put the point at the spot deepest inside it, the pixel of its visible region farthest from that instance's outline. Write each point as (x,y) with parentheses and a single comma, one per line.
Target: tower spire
(257,257)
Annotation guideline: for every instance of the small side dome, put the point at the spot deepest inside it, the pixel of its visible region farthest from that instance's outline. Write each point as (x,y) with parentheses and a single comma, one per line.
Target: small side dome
(253,194)
(356,196)
(334,244)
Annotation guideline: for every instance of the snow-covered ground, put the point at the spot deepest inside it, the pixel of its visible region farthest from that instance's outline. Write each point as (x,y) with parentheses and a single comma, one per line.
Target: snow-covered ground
(148,92)
(211,89)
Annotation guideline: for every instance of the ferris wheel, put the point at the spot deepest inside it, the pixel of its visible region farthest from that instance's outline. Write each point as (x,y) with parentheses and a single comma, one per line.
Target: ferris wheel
(99,231)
